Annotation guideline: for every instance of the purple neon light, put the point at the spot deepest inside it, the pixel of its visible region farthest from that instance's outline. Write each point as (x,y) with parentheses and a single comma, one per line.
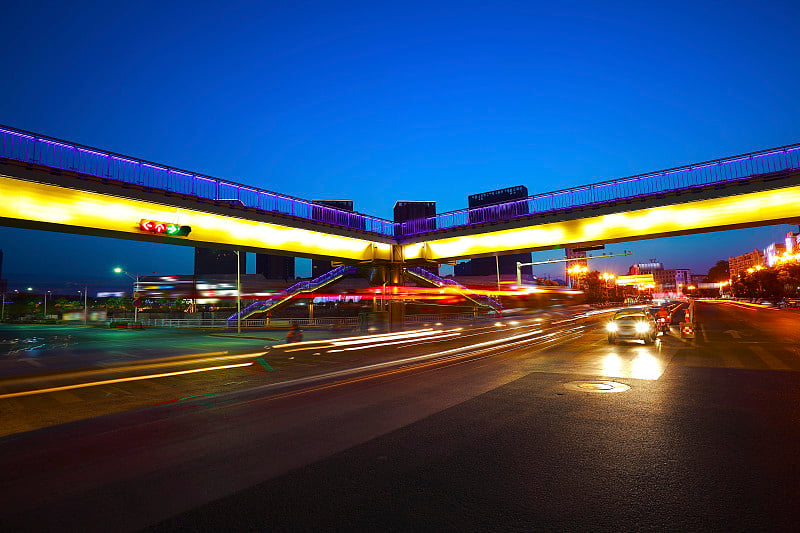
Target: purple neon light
(718,171)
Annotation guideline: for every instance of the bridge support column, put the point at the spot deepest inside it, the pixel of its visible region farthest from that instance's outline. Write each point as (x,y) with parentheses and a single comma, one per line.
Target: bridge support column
(397,308)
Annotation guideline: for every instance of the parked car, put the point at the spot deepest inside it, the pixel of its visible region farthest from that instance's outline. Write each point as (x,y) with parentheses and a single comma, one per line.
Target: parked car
(631,324)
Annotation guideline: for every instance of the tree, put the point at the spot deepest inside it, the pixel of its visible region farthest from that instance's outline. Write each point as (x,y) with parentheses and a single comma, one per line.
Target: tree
(719,272)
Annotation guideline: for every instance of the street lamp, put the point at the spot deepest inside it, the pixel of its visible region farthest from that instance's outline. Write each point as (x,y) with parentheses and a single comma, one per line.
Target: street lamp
(135,279)
(45,303)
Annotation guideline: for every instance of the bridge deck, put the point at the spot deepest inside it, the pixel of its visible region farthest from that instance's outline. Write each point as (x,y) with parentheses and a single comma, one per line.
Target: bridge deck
(775,168)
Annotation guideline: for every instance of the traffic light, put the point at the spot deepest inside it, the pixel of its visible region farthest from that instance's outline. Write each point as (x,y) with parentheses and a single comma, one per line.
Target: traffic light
(167,228)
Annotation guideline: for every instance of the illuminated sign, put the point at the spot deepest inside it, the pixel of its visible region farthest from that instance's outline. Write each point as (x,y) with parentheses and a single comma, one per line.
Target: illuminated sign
(173,230)
(641,279)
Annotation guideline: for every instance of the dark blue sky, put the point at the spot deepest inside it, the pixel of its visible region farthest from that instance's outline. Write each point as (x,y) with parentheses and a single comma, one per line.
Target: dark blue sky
(398,101)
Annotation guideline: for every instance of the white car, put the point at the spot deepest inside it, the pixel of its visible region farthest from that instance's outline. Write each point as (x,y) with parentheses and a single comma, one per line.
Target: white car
(631,324)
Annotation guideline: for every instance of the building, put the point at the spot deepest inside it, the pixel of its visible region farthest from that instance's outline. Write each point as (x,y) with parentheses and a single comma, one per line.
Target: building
(739,264)
(275,266)
(772,252)
(645,268)
(792,243)
(319,266)
(210,261)
(666,279)
(408,211)
(3,282)
(507,263)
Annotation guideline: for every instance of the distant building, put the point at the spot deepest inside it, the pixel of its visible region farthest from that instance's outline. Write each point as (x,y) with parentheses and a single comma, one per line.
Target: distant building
(3,282)
(507,263)
(275,266)
(792,243)
(319,266)
(666,279)
(772,252)
(210,261)
(739,264)
(406,211)
(416,213)
(645,268)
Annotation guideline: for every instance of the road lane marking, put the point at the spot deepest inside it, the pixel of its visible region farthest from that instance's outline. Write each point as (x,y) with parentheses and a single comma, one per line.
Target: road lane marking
(771,361)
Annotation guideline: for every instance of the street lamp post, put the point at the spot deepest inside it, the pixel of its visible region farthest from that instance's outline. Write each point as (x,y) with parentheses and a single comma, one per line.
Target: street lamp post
(85,304)
(238,295)
(135,279)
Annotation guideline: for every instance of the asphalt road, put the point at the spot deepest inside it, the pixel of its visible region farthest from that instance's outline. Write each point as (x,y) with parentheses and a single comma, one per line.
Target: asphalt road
(706,438)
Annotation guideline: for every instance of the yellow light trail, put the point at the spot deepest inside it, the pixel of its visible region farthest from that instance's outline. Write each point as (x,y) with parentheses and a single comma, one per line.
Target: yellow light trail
(117,380)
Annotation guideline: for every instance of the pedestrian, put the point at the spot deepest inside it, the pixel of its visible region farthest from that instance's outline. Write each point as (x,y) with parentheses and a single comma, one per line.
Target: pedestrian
(295,334)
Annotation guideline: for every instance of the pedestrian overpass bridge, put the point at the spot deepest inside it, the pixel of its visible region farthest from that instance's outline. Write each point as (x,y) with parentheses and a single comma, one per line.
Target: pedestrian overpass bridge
(57,185)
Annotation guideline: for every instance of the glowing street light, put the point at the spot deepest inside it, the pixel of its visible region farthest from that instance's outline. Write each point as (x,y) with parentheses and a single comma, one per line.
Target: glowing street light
(135,279)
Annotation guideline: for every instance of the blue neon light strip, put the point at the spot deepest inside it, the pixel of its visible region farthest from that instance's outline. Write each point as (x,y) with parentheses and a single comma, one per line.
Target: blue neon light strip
(56,153)
(764,163)
(33,148)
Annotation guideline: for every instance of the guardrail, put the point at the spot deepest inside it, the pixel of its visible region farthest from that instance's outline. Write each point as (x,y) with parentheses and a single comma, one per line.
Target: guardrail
(248,323)
(719,171)
(31,147)
(449,317)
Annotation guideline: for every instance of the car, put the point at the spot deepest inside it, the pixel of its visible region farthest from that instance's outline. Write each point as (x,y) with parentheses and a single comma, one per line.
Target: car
(631,324)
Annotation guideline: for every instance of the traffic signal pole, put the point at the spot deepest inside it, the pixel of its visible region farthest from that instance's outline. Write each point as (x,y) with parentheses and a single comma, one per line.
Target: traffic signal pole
(520,265)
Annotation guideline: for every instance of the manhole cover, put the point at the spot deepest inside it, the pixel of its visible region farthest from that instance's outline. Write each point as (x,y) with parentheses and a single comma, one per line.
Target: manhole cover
(597,386)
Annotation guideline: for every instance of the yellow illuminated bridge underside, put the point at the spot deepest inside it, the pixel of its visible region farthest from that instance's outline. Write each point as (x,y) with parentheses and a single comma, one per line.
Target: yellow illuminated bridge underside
(753,209)
(40,203)
(82,211)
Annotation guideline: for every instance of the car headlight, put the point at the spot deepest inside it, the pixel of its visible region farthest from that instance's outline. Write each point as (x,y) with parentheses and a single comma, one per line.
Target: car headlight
(611,326)
(642,327)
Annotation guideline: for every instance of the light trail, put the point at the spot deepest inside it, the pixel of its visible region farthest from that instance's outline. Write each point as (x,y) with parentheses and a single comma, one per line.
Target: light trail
(347,341)
(422,362)
(405,341)
(117,380)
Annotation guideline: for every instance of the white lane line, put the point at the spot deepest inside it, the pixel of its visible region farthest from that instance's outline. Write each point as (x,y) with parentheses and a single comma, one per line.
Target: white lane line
(703,333)
(771,361)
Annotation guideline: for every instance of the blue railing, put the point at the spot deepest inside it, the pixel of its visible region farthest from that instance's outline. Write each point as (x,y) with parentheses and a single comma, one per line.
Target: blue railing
(719,171)
(38,149)
(481,299)
(300,286)
(47,151)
